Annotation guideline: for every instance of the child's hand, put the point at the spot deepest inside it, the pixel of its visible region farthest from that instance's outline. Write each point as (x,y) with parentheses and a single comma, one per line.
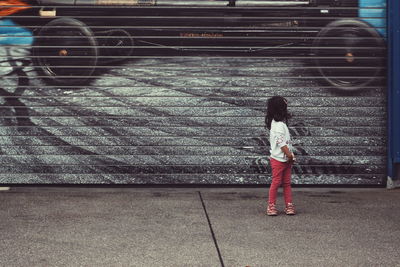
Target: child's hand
(292,158)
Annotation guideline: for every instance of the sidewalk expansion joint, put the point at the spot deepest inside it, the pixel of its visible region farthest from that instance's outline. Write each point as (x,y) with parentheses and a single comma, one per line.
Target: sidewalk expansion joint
(211,229)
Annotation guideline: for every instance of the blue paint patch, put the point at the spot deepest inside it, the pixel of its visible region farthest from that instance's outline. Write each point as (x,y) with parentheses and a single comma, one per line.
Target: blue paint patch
(13,34)
(374,13)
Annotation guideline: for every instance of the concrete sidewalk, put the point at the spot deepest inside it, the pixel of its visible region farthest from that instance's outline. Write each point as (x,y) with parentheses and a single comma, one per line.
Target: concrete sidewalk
(197,227)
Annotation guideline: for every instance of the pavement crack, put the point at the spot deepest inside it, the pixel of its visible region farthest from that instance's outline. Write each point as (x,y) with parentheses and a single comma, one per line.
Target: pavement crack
(211,230)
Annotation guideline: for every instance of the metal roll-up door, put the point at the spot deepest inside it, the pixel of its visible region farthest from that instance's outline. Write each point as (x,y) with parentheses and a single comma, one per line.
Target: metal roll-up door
(174,92)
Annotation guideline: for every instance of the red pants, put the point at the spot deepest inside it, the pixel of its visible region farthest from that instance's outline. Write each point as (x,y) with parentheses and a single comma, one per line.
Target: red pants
(281,174)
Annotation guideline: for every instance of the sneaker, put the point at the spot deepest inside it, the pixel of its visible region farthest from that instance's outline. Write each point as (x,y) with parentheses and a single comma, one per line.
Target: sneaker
(271,210)
(289,210)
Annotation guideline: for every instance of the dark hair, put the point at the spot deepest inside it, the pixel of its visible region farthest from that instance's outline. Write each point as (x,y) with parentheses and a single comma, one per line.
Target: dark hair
(276,110)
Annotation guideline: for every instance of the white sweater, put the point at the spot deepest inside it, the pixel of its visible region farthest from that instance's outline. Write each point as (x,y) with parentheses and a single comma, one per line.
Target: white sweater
(279,136)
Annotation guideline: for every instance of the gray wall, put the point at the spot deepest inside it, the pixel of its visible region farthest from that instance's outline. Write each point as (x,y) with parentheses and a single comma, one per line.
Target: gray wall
(192,118)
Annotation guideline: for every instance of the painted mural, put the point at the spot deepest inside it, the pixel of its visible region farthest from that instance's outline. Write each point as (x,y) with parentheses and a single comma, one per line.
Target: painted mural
(174,92)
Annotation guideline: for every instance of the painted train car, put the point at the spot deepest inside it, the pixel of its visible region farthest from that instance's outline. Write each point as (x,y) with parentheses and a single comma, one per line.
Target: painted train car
(336,33)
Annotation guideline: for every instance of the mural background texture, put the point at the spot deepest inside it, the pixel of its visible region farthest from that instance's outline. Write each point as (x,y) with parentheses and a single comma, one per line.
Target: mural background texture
(181,117)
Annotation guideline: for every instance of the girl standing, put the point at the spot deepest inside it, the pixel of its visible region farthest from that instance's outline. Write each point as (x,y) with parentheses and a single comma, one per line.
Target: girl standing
(282,157)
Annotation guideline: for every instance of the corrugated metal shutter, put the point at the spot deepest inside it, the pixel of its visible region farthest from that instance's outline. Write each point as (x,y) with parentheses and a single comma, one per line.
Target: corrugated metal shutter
(172,92)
